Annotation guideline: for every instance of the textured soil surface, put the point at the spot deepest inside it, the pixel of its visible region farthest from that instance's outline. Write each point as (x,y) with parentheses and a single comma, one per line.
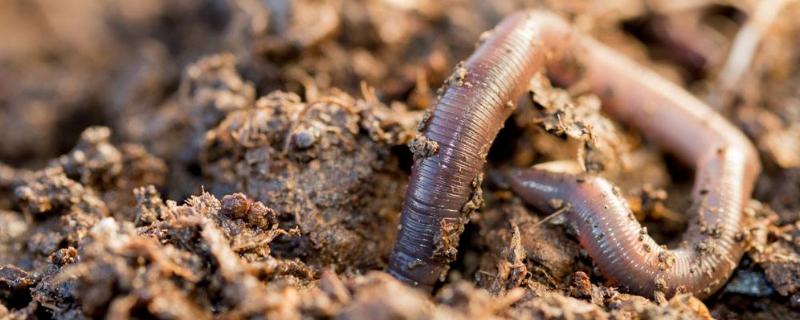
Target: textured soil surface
(197,159)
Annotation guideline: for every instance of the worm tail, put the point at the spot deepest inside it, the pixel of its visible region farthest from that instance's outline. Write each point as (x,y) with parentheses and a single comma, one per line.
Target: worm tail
(622,249)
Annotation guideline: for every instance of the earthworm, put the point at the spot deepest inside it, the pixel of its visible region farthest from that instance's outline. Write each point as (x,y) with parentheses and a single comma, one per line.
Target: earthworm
(456,135)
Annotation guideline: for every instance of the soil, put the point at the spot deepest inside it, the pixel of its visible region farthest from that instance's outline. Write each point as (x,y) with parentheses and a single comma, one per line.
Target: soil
(248,159)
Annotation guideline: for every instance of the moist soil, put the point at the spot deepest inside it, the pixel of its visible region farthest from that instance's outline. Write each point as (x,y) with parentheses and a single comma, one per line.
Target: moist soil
(248,159)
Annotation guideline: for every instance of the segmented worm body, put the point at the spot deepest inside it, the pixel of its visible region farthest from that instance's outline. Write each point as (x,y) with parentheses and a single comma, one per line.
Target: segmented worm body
(456,137)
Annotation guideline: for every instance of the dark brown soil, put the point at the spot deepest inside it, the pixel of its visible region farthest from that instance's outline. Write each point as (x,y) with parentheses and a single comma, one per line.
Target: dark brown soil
(248,159)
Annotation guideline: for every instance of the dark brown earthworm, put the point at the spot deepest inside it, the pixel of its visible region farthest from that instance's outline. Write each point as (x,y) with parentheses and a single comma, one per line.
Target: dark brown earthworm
(458,133)
(446,176)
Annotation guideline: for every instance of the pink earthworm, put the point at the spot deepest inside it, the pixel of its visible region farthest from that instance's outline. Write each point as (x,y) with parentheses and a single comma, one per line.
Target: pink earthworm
(455,138)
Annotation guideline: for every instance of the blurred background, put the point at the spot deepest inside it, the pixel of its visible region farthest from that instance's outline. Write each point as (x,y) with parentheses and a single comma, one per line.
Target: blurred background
(65,65)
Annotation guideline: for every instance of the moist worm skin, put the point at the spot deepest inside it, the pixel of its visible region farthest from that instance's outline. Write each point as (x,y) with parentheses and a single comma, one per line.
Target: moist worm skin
(469,114)
(465,121)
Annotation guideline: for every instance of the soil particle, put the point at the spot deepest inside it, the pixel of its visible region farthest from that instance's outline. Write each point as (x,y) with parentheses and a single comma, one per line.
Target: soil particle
(317,187)
(782,268)
(64,211)
(475,198)
(253,212)
(113,172)
(52,193)
(511,271)
(426,117)
(580,286)
(650,202)
(460,75)
(149,206)
(121,272)
(446,244)
(783,197)
(371,301)
(681,306)
(514,269)
(549,255)
(579,118)
(666,260)
(213,86)
(14,280)
(555,306)
(168,255)
(93,161)
(422,147)
(468,301)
